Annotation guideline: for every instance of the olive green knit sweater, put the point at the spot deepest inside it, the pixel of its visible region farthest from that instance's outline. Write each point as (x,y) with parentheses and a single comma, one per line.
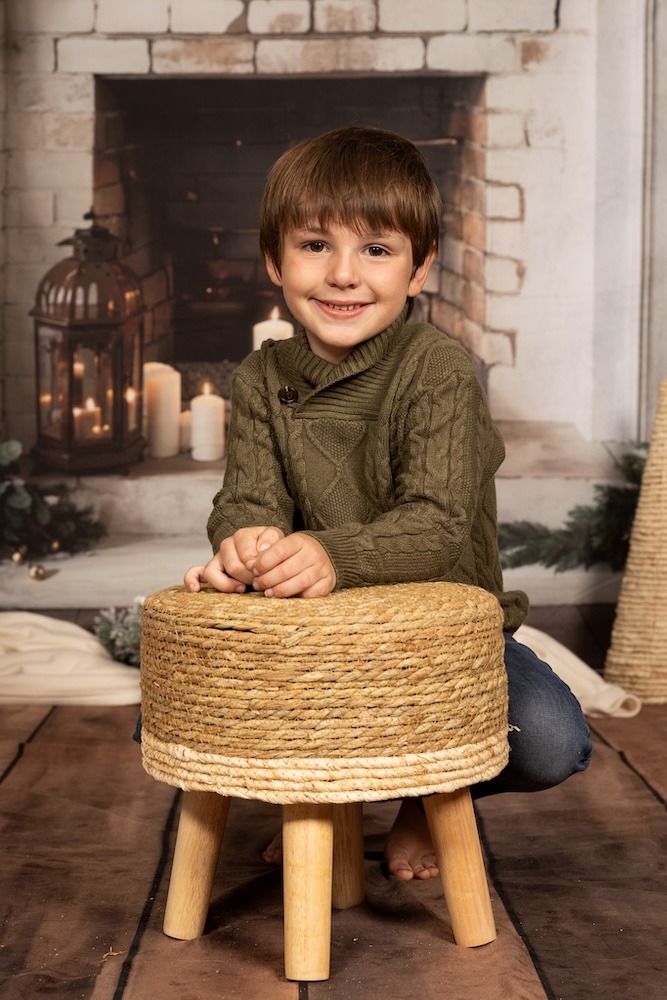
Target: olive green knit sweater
(387,458)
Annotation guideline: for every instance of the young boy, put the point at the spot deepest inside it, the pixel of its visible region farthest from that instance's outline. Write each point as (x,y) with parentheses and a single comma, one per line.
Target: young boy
(361,451)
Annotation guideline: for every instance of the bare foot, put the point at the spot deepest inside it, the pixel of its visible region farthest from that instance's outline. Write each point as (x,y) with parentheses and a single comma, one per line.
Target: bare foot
(274,852)
(408,850)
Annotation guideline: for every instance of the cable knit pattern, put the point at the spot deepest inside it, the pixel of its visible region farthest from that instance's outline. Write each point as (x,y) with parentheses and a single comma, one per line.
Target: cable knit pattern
(387,458)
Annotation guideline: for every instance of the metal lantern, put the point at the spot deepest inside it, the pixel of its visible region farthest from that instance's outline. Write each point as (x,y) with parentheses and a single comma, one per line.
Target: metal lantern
(88,337)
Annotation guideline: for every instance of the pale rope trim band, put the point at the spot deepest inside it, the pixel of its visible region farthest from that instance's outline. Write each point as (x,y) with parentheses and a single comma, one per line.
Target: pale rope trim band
(293,779)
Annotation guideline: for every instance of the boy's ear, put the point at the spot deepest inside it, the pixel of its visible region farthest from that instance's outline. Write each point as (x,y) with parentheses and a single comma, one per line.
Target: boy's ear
(273,272)
(420,273)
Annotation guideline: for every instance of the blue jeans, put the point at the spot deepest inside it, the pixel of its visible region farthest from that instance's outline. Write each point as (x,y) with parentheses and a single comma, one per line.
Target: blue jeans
(549,738)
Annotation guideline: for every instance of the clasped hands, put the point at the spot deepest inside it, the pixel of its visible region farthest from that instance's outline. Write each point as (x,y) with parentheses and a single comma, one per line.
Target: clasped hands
(264,558)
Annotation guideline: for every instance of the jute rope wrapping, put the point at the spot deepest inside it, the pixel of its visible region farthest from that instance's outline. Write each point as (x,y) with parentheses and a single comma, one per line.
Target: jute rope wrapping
(367,694)
(637,657)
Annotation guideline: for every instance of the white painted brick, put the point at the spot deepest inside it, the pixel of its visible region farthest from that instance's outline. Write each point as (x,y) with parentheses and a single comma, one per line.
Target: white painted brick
(453,252)
(471,54)
(69,131)
(568,55)
(54,92)
(362,54)
(451,288)
(345,15)
(44,169)
(511,15)
(204,16)
(103,55)
(31,54)
(132,18)
(503,201)
(578,15)
(34,246)
(427,15)
(432,283)
(506,239)
(496,348)
(503,275)
(24,130)
(505,129)
(284,17)
(545,129)
(71,204)
(22,279)
(52,15)
(30,208)
(205,56)
(509,92)
(502,312)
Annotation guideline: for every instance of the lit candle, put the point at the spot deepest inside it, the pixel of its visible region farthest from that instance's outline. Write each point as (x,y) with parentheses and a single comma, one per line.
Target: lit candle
(45,402)
(132,401)
(185,425)
(163,407)
(208,426)
(271,329)
(87,420)
(78,371)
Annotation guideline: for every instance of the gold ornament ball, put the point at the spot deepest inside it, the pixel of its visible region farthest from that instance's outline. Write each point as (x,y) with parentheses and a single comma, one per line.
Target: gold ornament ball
(36,572)
(18,557)
(55,545)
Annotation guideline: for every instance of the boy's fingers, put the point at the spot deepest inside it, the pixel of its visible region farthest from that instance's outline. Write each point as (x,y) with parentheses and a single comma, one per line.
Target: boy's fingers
(192,578)
(268,537)
(221,581)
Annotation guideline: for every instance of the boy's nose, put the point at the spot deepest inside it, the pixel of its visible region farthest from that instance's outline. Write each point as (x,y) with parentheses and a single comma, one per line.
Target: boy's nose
(342,271)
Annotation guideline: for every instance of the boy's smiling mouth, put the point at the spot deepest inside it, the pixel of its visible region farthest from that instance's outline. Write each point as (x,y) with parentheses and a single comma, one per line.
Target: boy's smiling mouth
(341,308)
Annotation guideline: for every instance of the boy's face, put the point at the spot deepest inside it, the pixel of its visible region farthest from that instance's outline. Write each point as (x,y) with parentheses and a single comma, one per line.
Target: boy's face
(345,287)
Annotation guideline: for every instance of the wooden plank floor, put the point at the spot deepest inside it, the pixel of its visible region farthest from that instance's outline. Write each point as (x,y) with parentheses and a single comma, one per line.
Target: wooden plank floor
(577,877)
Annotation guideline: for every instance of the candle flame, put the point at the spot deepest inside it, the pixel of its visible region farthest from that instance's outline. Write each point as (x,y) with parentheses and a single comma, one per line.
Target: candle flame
(207,388)
(90,403)
(275,313)
(130,394)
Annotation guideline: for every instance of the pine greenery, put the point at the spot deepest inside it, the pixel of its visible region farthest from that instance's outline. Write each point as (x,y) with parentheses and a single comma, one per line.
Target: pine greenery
(595,533)
(119,631)
(40,520)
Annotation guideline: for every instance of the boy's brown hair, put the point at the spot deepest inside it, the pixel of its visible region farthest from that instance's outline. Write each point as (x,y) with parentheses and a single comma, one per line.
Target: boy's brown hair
(352,176)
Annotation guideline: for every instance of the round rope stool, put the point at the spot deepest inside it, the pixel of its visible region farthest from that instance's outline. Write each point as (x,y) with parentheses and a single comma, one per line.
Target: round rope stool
(370,694)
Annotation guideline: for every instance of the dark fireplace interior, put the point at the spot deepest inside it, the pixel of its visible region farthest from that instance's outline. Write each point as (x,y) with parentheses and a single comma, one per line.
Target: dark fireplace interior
(180,167)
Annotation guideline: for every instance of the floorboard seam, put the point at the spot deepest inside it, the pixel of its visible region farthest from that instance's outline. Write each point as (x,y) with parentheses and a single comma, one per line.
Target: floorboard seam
(21,747)
(150,902)
(511,912)
(622,757)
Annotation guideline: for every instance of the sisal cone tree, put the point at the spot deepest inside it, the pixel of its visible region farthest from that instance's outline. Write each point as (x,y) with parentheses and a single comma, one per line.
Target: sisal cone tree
(637,657)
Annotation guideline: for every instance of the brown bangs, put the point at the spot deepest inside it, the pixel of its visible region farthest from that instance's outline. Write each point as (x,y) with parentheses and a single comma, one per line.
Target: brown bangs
(367,179)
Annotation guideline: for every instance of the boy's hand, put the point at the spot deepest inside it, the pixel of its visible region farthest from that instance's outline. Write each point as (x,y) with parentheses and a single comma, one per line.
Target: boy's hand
(231,568)
(295,566)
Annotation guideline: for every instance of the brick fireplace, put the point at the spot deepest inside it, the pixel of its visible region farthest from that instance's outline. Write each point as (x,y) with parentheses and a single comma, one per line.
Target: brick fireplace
(164,116)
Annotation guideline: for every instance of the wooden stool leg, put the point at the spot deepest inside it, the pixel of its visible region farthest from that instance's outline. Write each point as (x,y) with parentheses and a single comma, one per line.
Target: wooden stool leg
(200,830)
(348,855)
(307,877)
(451,821)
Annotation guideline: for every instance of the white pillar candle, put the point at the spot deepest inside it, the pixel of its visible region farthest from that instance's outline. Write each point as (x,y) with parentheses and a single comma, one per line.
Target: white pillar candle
(208,426)
(271,329)
(185,425)
(163,408)
(151,368)
(87,420)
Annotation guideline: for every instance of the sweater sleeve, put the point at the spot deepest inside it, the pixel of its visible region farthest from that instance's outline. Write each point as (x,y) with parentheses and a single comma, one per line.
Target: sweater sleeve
(448,452)
(254,491)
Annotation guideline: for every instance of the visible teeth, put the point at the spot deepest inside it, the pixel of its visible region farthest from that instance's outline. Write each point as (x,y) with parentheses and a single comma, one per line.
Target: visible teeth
(334,305)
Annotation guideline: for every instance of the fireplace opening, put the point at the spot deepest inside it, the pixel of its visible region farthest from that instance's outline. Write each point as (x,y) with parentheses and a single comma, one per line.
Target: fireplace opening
(180,165)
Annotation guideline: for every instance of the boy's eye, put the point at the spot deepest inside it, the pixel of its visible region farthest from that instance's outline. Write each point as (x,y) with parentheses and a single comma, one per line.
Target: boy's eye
(315,246)
(376,251)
